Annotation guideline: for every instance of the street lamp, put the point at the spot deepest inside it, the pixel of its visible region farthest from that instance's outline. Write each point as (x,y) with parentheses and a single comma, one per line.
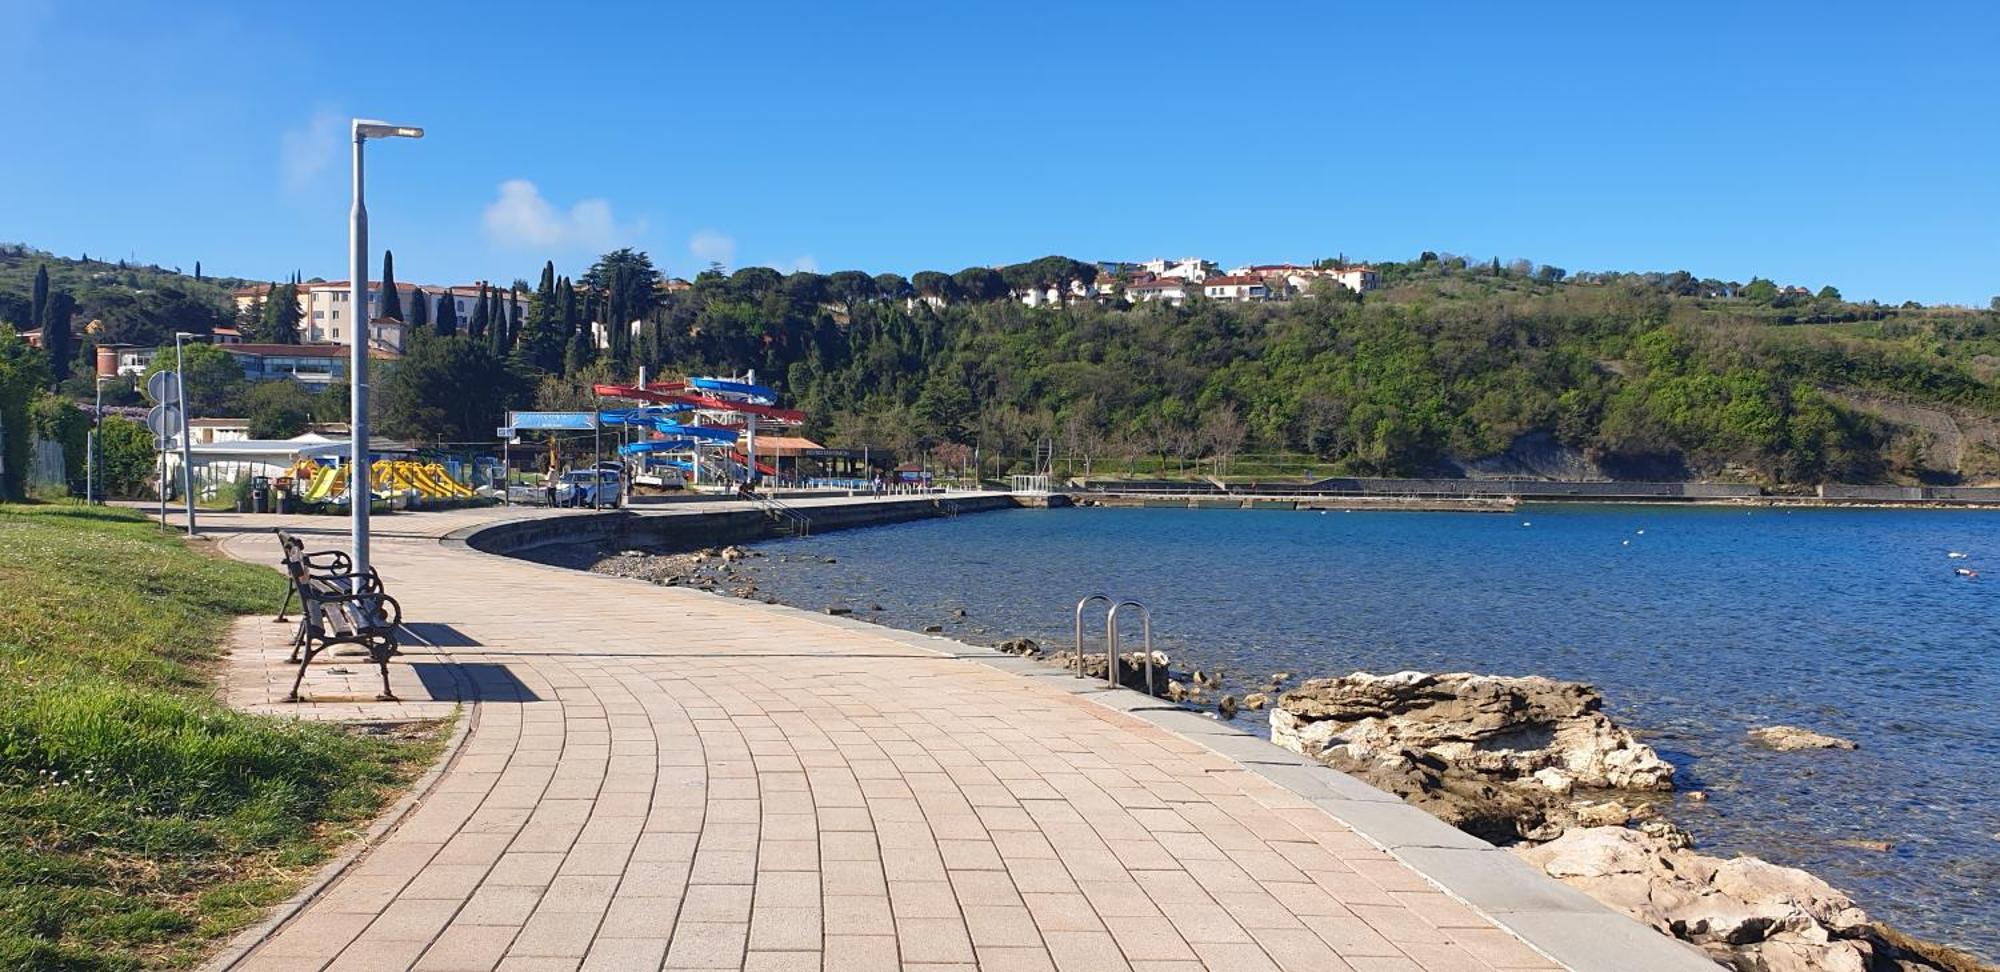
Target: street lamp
(91,473)
(358,495)
(187,446)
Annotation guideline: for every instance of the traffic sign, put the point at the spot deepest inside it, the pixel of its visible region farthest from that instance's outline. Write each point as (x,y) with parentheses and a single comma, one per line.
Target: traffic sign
(164,388)
(164,421)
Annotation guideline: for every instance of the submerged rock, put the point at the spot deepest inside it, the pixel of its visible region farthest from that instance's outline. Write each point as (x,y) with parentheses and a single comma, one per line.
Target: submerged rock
(1787,739)
(1497,757)
(1255,701)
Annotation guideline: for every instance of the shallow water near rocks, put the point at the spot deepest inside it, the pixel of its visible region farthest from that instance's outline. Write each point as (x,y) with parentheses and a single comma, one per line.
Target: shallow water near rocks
(1710,623)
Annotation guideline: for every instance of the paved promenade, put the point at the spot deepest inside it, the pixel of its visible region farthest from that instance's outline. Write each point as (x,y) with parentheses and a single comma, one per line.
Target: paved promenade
(659,778)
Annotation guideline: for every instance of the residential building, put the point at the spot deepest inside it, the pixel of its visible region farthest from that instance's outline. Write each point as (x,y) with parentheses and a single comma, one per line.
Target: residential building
(1236,287)
(208,431)
(324,316)
(1293,279)
(1191,269)
(1172,290)
(308,364)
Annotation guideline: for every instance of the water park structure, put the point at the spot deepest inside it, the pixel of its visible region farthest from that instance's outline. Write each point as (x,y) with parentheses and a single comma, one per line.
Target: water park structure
(701,432)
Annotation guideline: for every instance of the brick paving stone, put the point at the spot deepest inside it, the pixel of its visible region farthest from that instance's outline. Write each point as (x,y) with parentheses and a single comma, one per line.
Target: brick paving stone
(659,778)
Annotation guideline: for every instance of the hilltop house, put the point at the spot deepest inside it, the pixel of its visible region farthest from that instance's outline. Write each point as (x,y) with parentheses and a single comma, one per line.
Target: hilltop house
(1173,290)
(1236,287)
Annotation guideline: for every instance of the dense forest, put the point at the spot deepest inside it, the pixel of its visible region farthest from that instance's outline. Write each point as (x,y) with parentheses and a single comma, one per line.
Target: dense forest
(1451,367)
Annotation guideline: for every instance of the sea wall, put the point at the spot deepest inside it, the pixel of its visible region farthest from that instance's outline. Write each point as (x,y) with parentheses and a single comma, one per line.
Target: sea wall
(690,526)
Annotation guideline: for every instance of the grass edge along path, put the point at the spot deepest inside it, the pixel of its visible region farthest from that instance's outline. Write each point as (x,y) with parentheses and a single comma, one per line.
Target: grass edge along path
(142,821)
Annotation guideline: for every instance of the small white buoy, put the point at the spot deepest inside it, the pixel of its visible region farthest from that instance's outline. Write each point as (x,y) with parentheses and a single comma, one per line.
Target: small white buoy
(1642,533)
(1526,523)
(1958,555)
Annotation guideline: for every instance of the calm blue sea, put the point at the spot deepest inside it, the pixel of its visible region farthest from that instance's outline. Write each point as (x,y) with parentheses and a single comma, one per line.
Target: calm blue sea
(1698,624)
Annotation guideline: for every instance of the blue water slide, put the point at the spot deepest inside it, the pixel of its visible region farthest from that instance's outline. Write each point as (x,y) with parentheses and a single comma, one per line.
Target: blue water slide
(640,416)
(657,445)
(757,394)
(701,432)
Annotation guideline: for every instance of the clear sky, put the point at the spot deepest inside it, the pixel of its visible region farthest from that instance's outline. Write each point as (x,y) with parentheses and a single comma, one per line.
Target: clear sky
(1856,144)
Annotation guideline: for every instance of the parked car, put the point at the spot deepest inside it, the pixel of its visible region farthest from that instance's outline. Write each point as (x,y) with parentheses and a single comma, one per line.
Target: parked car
(585,487)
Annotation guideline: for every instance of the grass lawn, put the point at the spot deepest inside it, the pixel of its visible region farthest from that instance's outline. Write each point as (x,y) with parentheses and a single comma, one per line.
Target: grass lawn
(141,820)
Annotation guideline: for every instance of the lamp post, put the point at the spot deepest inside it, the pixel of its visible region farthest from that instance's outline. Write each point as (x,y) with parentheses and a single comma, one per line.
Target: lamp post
(358,495)
(187,444)
(91,475)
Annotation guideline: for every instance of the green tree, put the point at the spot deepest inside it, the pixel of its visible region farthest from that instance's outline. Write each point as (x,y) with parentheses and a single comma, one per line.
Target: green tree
(1829,292)
(280,324)
(540,345)
(420,309)
(214,379)
(23,373)
(125,448)
(57,339)
(447,316)
(392,301)
(39,296)
(454,388)
(277,409)
(482,316)
(1759,290)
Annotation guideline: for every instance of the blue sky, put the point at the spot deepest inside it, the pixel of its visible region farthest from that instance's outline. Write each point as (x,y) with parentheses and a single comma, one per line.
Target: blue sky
(1845,143)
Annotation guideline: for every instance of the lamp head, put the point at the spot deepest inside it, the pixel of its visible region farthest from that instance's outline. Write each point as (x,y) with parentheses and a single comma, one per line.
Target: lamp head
(369,128)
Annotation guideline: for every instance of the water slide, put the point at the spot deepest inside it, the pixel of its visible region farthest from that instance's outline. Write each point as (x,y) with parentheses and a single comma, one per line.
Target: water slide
(660,394)
(326,482)
(754,394)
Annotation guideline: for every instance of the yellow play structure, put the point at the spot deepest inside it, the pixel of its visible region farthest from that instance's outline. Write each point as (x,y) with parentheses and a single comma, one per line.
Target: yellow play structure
(318,482)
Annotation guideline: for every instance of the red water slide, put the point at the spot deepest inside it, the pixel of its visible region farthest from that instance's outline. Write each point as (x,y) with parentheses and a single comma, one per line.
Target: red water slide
(674,393)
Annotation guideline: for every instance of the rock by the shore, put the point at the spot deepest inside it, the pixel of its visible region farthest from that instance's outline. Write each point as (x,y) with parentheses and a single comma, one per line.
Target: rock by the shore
(1131,669)
(1495,756)
(1787,739)
(1747,914)
(1020,646)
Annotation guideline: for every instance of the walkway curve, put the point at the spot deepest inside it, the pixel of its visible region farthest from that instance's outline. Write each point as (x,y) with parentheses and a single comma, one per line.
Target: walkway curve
(662,778)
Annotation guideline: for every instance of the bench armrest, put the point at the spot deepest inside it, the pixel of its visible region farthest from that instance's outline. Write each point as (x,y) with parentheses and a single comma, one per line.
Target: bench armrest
(334,560)
(370,582)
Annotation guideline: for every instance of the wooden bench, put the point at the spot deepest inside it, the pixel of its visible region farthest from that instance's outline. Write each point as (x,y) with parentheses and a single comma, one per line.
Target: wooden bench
(337,606)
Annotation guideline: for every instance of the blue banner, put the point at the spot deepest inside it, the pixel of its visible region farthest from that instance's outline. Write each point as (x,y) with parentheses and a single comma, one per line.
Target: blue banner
(552,421)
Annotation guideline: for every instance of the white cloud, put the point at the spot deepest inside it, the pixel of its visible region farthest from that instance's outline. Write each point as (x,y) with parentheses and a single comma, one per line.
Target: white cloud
(307,151)
(805,264)
(710,246)
(522,217)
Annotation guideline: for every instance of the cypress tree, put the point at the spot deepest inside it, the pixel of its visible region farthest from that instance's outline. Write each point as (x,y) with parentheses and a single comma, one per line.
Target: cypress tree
(392,302)
(482,314)
(38,301)
(56,334)
(540,343)
(447,319)
(420,309)
(197,271)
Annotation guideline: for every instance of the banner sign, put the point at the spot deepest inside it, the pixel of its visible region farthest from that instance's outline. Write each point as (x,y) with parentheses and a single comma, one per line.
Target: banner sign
(552,421)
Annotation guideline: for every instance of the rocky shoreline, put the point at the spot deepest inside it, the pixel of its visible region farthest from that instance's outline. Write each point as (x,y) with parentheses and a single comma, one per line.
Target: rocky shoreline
(1528,763)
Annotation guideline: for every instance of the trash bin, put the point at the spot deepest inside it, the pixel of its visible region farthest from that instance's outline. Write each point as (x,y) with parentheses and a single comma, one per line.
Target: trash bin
(260,494)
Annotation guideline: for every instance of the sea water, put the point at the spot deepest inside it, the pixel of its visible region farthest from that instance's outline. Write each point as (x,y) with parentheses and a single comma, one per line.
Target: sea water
(1699,624)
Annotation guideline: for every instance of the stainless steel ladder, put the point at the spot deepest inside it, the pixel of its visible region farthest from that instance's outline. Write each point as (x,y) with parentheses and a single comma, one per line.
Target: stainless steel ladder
(1111,638)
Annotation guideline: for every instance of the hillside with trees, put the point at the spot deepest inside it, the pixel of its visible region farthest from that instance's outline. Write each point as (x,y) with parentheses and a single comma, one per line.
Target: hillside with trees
(1451,367)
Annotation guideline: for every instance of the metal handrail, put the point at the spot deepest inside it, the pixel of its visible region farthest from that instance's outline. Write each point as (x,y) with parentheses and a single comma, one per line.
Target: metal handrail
(1111,643)
(801,524)
(1106,598)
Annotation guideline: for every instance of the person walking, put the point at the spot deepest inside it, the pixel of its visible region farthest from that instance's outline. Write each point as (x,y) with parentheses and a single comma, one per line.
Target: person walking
(549,486)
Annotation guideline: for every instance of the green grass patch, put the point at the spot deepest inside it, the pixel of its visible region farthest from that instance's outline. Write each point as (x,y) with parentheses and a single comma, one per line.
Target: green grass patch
(141,819)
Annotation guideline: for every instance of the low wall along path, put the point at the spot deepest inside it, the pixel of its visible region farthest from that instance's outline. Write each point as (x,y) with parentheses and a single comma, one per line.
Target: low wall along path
(654,777)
